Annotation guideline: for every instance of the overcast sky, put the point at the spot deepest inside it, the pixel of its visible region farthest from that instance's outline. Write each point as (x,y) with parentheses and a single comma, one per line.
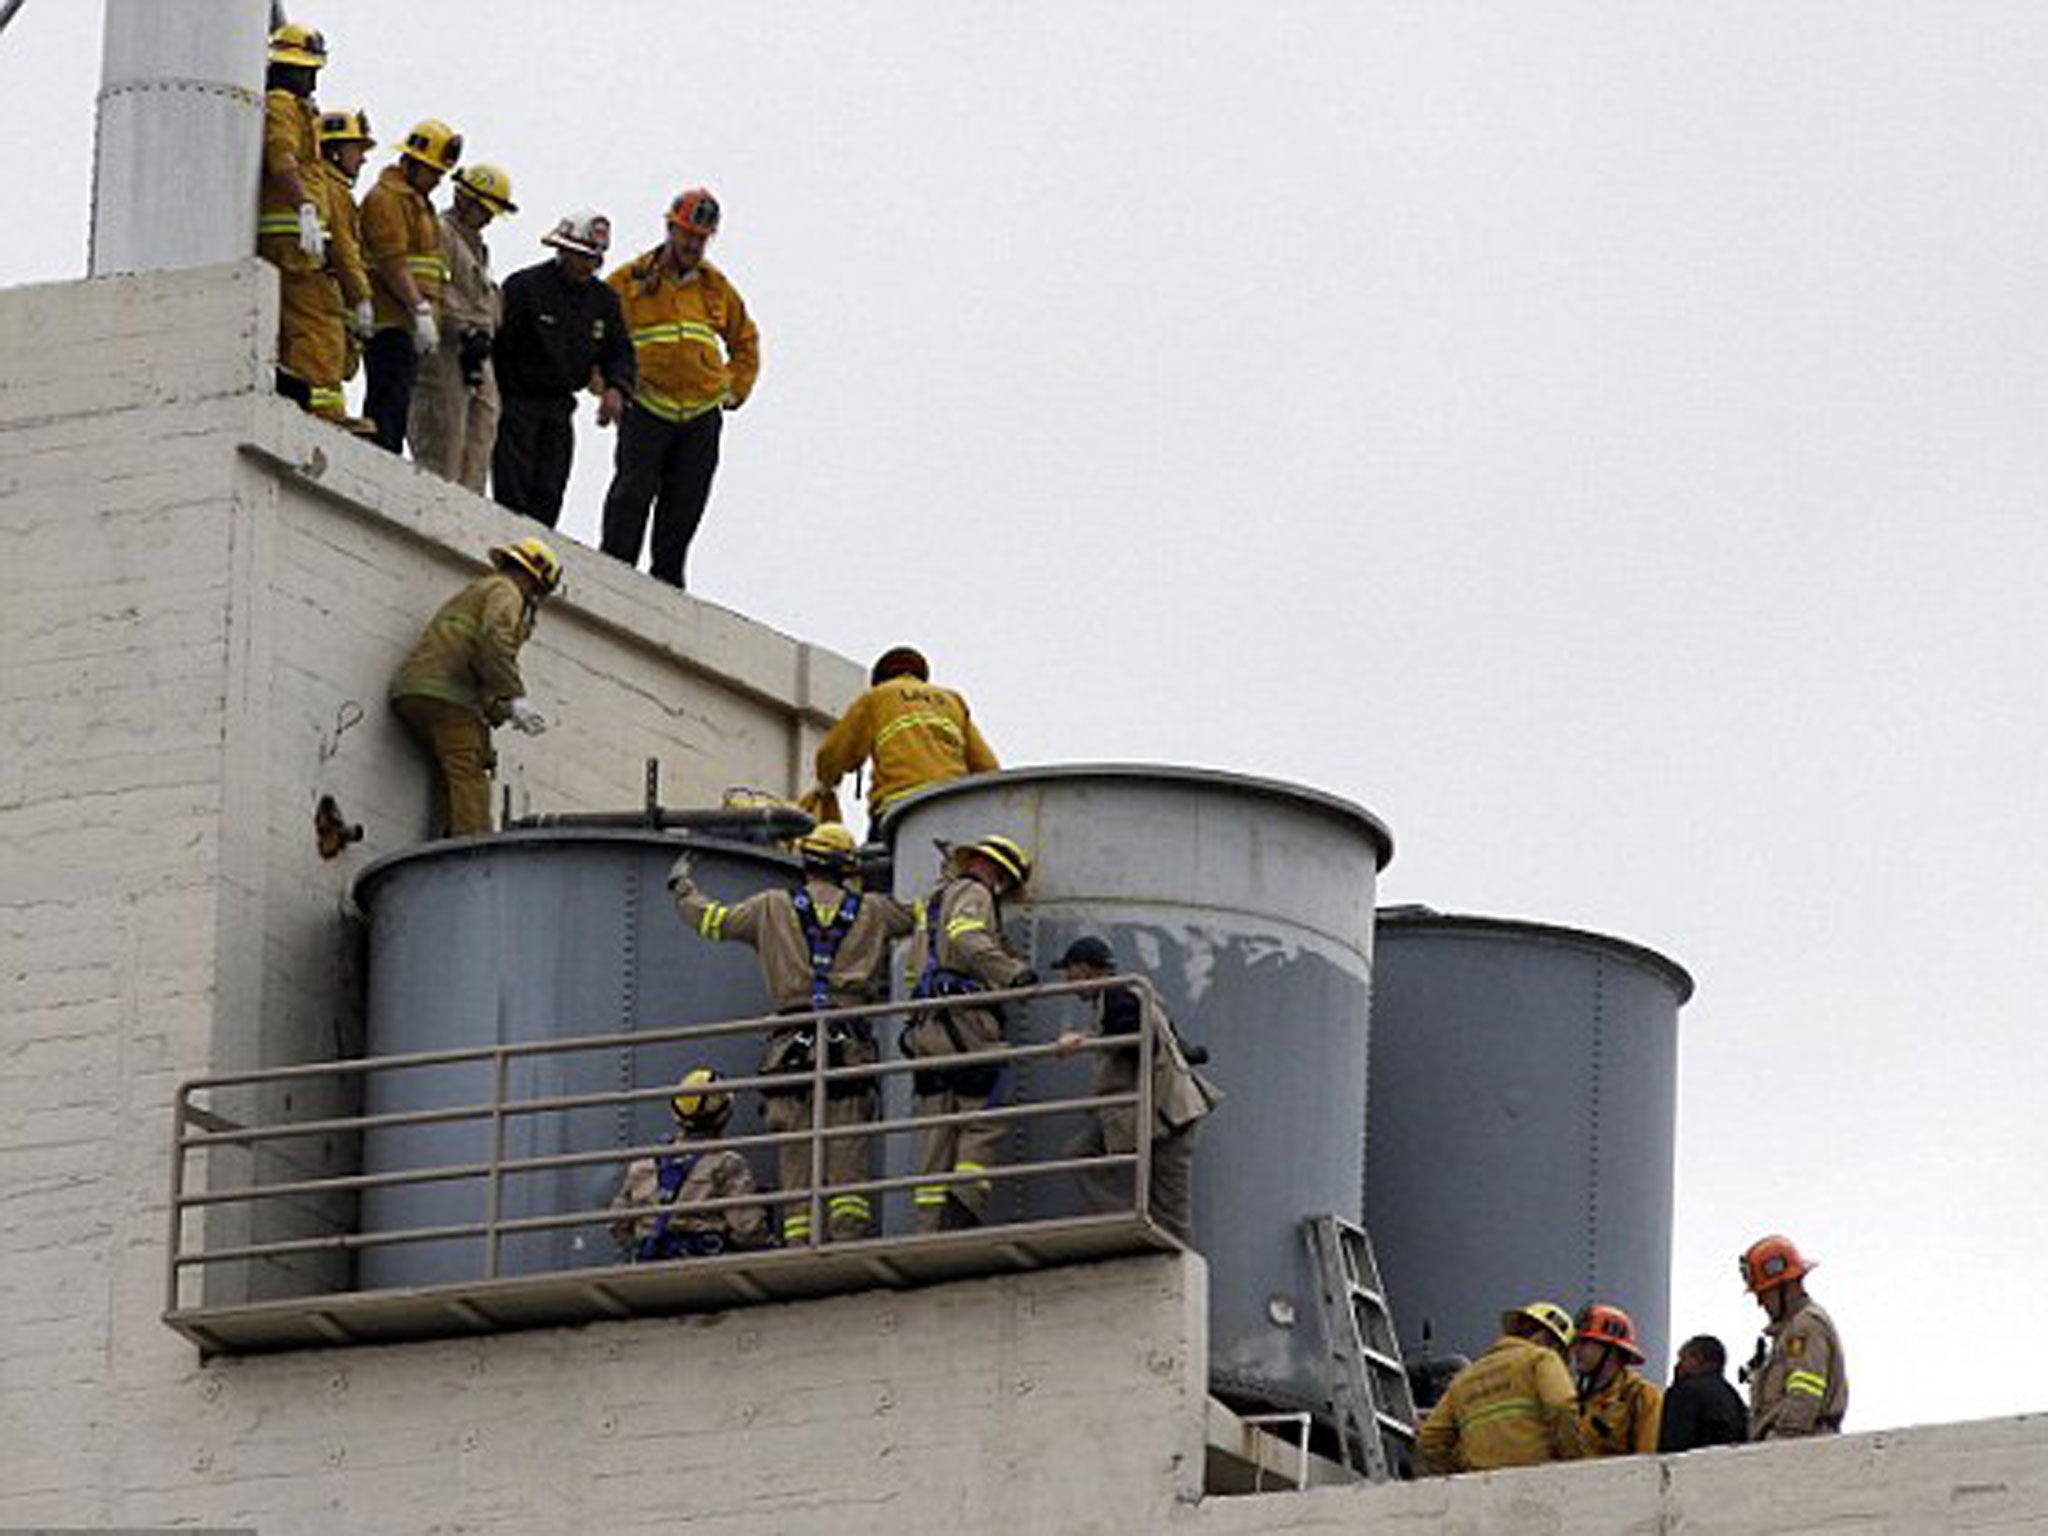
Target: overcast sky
(1604,440)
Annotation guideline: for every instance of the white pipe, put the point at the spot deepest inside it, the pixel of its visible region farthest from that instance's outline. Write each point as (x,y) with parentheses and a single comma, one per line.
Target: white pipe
(180,138)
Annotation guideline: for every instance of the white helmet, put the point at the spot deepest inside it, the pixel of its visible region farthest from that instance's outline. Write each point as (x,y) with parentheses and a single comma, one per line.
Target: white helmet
(585,233)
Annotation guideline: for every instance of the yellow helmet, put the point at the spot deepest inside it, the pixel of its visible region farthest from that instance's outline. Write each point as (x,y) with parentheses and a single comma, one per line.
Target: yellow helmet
(296,44)
(489,186)
(346,128)
(1005,854)
(827,843)
(693,1104)
(1547,1315)
(434,144)
(533,557)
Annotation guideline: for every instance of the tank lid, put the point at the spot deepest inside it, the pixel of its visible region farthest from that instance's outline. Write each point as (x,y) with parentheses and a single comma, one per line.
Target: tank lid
(1415,918)
(362,887)
(1361,820)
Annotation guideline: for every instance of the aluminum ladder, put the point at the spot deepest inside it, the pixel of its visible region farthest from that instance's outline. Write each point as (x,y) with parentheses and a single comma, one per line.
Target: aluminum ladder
(1369,1393)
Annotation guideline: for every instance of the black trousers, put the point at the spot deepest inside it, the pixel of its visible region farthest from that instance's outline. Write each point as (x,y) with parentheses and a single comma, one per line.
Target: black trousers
(667,465)
(392,365)
(530,461)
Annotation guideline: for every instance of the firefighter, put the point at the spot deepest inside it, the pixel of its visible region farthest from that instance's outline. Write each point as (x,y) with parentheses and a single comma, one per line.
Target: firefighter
(402,246)
(958,950)
(462,679)
(697,355)
(291,232)
(344,143)
(453,422)
(1513,1406)
(561,326)
(821,945)
(1181,1096)
(1619,1411)
(917,734)
(1799,1384)
(654,1204)
(1700,1408)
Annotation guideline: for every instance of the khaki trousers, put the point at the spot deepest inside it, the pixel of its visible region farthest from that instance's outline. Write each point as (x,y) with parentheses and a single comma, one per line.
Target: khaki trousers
(460,744)
(969,1146)
(1170,1185)
(847,1161)
(452,428)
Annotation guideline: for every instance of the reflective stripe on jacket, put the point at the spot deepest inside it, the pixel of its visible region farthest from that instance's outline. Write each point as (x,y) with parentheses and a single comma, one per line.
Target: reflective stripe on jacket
(694,346)
(1803,1388)
(469,654)
(917,734)
(768,922)
(960,918)
(399,225)
(338,217)
(1512,1407)
(291,147)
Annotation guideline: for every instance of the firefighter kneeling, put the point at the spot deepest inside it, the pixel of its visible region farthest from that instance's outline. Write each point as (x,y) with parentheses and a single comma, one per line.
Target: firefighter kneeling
(659,1203)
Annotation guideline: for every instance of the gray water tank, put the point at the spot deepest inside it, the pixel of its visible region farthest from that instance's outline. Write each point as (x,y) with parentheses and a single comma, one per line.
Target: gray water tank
(1523,1102)
(1249,904)
(533,936)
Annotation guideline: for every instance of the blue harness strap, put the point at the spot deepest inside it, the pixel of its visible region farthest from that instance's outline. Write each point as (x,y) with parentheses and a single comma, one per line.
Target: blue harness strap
(670,1172)
(825,939)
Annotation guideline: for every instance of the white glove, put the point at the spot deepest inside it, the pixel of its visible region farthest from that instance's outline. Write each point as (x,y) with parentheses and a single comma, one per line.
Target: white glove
(365,321)
(425,334)
(526,720)
(311,241)
(680,872)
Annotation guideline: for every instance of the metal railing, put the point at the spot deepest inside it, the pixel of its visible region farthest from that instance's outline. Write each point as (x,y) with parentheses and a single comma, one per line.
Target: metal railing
(201,1130)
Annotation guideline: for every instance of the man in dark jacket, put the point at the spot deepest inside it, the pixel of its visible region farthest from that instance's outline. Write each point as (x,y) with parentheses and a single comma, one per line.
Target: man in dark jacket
(560,324)
(1701,1408)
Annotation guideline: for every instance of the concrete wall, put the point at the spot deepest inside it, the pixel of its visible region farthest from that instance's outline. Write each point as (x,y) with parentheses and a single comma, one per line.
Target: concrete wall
(1064,1401)
(204,585)
(1989,1476)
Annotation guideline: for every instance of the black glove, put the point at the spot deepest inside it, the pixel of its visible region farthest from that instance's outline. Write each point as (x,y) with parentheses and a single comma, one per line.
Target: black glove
(475,352)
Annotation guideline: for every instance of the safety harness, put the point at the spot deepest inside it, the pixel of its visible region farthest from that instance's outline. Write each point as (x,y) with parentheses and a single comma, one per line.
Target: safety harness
(825,937)
(662,1243)
(936,980)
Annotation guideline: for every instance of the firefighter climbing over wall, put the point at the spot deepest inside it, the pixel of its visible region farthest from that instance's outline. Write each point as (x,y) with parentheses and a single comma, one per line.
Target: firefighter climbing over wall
(958,952)
(462,679)
(822,945)
(916,732)
(659,1207)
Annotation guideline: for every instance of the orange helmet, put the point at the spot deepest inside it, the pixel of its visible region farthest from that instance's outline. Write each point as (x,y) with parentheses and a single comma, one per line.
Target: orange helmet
(1610,1325)
(695,209)
(1769,1262)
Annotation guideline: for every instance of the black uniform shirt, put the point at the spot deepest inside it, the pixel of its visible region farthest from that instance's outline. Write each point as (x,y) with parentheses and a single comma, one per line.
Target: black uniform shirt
(555,332)
(1702,1410)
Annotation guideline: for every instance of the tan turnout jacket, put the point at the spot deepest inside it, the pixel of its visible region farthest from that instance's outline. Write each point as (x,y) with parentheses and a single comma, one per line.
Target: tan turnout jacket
(1803,1388)
(1180,1094)
(714,1176)
(961,919)
(469,654)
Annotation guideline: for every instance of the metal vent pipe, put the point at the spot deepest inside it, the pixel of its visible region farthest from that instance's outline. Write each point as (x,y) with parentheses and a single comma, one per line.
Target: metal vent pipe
(180,134)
